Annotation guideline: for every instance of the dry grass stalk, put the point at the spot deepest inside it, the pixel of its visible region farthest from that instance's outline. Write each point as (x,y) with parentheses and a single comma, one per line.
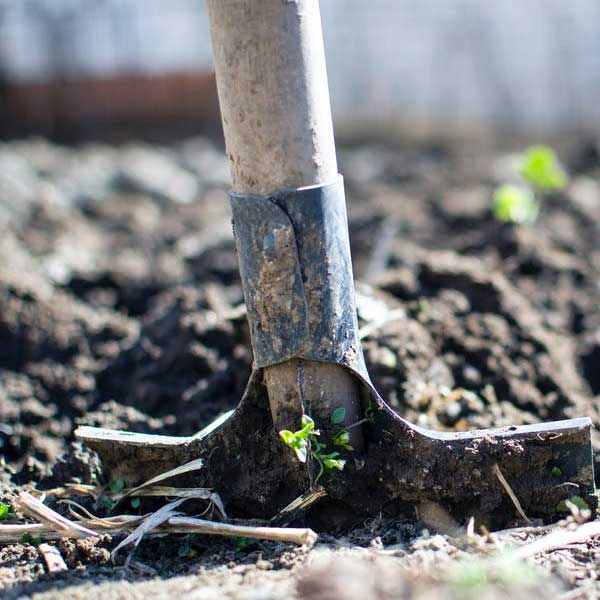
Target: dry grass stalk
(302,536)
(192,465)
(559,539)
(304,501)
(40,512)
(510,493)
(155,523)
(150,523)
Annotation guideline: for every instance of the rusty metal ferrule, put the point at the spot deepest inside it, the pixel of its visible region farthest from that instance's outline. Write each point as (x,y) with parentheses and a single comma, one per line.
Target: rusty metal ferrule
(294,255)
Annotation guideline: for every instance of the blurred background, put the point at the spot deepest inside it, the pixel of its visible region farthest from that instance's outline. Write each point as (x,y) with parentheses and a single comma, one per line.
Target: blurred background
(73,69)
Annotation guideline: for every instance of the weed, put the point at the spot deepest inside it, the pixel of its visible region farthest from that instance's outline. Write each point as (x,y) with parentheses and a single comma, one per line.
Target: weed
(338,415)
(540,167)
(116,486)
(306,440)
(107,503)
(298,441)
(515,204)
(342,438)
(243,544)
(577,501)
(5,511)
(540,172)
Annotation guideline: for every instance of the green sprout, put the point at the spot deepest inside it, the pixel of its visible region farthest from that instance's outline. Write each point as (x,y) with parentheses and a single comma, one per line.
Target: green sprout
(540,167)
(338,415)
(116,486)
(5,511)
(342,438)
(514,204)
(578,501)
(243,544)
(135,502)
(540,172)
(107,503)
(306,440)
(298,441)
(556,472)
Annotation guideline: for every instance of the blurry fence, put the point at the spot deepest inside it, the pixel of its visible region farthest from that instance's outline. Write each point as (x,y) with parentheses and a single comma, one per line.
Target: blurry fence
(427,65)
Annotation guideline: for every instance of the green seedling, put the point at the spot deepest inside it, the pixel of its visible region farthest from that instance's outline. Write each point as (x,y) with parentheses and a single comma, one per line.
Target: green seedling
(540,168)
(306,440)
(338,415)
(5,511)
(107,503)
(298,441)
(27,538)
(515,204)
(135,502)
(540,172)
(556,472)
(578,501)
(342,438)
(117,486)
(243,544)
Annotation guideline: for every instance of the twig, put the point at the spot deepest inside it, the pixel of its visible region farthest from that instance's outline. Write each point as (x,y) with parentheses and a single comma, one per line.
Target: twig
(357,423)
(510,493)
(150,523)
(192,465)
(304,501)
(53,558)
(559,539)
(12,533)
(35,509)
(303,536)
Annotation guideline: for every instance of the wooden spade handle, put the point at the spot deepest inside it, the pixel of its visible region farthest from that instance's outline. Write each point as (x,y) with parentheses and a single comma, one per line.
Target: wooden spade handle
(274,98)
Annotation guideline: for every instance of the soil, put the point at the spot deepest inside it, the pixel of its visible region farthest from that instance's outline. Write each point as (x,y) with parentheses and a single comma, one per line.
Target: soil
(120,307)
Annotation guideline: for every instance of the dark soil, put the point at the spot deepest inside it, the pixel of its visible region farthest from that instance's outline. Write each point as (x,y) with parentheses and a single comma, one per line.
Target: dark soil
(119,307)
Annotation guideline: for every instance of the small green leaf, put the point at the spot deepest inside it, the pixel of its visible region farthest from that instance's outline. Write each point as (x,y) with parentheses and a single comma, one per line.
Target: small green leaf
(578,501)
(116,486)
(107,503)
(342,438)
(513,204)
(27,538)
(556,472)
(135,502)
(540,167)
(308,426)
(288,437)
(334,463)
(301,452)
(5,510)
(338,415)
(243,544)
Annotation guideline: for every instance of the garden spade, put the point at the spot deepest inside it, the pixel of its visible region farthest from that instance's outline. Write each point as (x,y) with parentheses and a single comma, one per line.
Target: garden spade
(310,415)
